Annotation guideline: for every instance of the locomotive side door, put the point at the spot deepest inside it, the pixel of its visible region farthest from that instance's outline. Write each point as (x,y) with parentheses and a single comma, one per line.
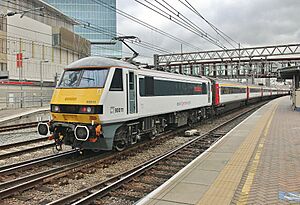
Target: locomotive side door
(208,91)
(132,93)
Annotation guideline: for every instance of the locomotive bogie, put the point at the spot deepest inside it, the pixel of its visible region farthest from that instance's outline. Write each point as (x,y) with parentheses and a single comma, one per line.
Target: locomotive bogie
(102,104)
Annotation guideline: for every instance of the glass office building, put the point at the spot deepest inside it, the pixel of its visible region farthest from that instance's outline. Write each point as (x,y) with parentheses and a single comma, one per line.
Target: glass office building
(102,19)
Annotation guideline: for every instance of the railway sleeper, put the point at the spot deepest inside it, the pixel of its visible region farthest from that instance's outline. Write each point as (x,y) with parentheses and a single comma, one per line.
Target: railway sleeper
(165,169)
(172,164)
(184,156)
(137,187)
(188,151)
(127,195)
(159,175)
(179,160)
(156,182)
(111,201)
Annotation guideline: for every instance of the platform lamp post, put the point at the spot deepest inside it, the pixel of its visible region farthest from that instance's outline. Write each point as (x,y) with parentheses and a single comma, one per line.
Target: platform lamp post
(21,80)
(41,78)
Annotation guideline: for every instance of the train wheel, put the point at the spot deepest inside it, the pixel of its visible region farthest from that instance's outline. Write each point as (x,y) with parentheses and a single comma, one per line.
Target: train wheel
(152,135)
(120,145)
(190,123)
(96,150)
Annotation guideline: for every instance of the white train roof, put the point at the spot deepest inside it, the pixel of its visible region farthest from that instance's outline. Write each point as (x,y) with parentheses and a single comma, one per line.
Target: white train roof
(166,75)
(95,61)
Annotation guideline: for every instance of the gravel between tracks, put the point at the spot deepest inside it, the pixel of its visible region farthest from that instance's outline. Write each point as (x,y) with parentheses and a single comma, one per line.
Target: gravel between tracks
(66,186)
(18,136)
(74,184)
(31,155)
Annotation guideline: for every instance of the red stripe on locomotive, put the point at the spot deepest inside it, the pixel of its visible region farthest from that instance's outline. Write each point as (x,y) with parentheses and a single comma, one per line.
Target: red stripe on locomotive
(198,89)
(248,90)
(217,97)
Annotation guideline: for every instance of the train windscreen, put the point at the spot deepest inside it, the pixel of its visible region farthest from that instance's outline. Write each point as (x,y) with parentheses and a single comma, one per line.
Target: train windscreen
(83,78)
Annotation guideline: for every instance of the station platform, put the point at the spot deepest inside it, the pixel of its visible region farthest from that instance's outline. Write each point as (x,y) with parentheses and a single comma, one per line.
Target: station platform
(8,115)
(257,162)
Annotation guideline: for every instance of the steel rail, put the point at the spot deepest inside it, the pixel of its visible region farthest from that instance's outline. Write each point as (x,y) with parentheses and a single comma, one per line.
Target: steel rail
(35,178)
(22,143)
(84,196)
(31,149)
(27,182)
(7,169)
(62,172)
(19,126)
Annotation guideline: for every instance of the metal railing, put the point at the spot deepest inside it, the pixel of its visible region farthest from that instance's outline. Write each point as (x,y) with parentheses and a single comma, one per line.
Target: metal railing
(25,99)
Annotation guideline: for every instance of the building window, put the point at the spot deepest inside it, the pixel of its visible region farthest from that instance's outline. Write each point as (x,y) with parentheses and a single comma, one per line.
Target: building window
(2,24)
(1,45)
(3,67)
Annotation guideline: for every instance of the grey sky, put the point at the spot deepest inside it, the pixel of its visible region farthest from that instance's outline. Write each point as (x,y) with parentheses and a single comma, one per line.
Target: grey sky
(252,23)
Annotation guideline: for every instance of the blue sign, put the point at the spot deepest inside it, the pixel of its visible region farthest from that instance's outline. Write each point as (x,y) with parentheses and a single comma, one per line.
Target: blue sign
(289,196)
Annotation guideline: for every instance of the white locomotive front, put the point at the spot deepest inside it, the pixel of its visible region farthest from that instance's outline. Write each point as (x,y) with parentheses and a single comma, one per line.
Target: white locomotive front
(102,103)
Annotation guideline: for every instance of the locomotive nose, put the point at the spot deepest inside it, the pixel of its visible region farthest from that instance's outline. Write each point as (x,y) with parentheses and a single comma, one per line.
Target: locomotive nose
(81,133)
(43,129)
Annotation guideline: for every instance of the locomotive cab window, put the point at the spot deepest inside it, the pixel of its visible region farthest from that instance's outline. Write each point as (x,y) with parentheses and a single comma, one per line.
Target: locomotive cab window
(117,81)
(83,78)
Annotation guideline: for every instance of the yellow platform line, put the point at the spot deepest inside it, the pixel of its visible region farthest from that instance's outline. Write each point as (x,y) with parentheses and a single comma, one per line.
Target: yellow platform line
(223,188)
(253,168)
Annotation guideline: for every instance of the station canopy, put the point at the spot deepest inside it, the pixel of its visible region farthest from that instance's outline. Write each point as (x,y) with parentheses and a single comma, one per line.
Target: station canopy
(289,72)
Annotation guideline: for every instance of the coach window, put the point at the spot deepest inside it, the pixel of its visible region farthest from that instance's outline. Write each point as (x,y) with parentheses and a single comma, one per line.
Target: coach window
(142,86)
(204,88)
(149,86)
(117,81)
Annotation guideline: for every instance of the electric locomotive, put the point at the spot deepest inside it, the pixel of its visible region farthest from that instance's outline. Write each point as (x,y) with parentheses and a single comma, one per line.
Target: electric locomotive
(102,104)
(105,104)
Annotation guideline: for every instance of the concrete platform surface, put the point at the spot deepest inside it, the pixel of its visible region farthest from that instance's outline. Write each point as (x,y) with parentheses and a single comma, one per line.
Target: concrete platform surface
(10,114)
(258,162)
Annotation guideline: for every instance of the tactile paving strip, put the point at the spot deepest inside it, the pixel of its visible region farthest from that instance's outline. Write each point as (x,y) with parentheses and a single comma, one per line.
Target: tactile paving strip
(276,179)
(223,188)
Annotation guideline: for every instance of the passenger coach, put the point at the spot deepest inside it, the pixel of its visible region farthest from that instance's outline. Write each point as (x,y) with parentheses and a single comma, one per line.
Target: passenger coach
(102,103)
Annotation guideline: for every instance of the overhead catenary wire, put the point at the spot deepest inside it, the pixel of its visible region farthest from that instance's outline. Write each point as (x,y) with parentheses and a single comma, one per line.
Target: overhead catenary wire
(41,43)
(188,5)
(183,23)
(144,44)
(89,26)
(153,28)
(186,21)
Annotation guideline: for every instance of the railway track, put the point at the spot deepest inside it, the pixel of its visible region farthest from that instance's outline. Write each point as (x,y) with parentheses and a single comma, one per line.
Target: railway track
(20,148)
(9,187)
(49,179)
(132,185)
(18,126)
(33,171)
(29,163)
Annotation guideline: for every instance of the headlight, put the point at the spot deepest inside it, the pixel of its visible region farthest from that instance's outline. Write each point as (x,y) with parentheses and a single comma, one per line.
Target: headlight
(81,133)
(43,129)
(87,109)
(55,108)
